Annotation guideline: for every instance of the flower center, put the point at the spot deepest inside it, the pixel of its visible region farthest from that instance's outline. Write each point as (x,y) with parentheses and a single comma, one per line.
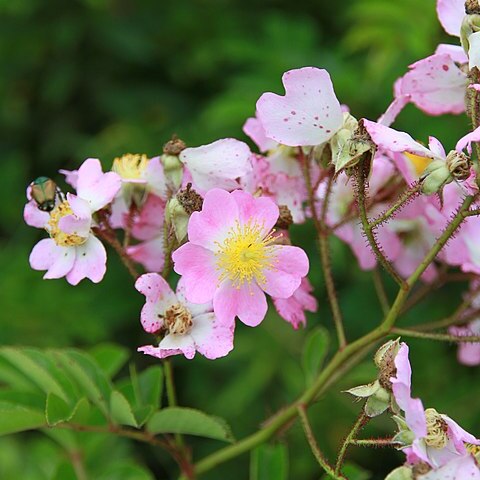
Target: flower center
(61,238)
(178,319)
(437,429)
(245,254)
(130,166)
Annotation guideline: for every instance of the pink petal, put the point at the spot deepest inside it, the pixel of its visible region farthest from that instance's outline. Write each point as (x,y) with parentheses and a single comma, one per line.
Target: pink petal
(290,266)
(33,216)
(458,435)
(247,302)
(256,210)
(149,222)
(210,227)
(155,176)
(435,85)
(394,109)
(80,222)
(218,164)
(395,141)
(251,304)
(96,187)
(151,316)
(57,260)
(293,309)
(466,141)
(254,129)
(212,339)
(196,309)
(451,13)
(90,262)
(459,468)
(150,254)
(436,147)
(456,52)
(173,344)
(197,265)
(71,177)
(309,112)
(155,288)
(474,50)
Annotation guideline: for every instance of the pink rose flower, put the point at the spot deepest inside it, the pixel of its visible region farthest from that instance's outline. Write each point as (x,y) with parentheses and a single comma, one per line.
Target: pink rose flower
(231,257)
(308,114)
(437,438)
(72,251)
(186,327)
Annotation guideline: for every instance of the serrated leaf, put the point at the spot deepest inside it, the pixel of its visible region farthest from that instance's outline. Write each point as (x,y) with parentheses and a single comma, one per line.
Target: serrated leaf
(38,375)
(269,462)
(142,414)
(364,391)
(121,411)
(150,386)
(89,377)
(110,357)
(56,410)
(190,422)
(314,353)
(16,418)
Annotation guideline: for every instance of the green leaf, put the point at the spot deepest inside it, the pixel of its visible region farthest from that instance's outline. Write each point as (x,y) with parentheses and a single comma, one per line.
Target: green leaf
(35,372)
(56,410)
(400,473)
(150,385)
(314,353)
(121,411)
(110,357)
(189,422)
(125,470)
(16,418)
(87,375)
(269,462)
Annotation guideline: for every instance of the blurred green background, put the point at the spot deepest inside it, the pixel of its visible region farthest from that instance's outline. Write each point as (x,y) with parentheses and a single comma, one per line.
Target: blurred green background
(98,78)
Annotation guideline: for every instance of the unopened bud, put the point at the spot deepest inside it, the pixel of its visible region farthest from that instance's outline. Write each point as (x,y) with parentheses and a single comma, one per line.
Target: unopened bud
(435,177)
(349,143)
(179,209)
(174,146)
(458,165)
(470,26)
(285,218)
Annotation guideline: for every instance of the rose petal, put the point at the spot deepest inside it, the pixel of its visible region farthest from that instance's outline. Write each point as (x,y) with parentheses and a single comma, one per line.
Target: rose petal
(90,262)
(451,14)
(309,112)
(57,260)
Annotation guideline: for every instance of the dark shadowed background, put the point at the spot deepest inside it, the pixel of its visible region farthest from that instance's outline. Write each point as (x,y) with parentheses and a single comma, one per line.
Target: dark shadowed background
(99,78)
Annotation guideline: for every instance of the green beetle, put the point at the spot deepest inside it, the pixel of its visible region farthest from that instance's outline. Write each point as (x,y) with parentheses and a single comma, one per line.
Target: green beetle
(44,191)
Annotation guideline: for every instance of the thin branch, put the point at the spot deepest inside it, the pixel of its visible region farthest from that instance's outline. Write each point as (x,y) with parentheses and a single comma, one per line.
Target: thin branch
(357,426)
(443,337)
(448,321)
(369,233)
(76,460)
(302,413)
(373,442)
(380,289)
(404,198)
(171,394)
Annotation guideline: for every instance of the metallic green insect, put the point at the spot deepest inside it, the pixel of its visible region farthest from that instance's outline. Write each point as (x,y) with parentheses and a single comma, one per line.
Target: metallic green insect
(44,191)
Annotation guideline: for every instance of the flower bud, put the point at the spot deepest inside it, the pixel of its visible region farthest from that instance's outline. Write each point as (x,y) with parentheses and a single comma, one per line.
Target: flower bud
(470,26)
(349,143)
(179,209)
(435,177)
(172,165)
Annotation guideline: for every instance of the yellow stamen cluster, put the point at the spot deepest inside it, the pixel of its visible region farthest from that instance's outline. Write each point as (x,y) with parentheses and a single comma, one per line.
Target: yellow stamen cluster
(130,166)
(178,319)
(419,163)
(437,429)
(61,238)
(245,254)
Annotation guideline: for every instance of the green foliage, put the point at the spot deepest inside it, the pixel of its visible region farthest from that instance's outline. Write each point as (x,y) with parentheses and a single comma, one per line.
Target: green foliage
(102,77)
(269,462)
(314,353)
